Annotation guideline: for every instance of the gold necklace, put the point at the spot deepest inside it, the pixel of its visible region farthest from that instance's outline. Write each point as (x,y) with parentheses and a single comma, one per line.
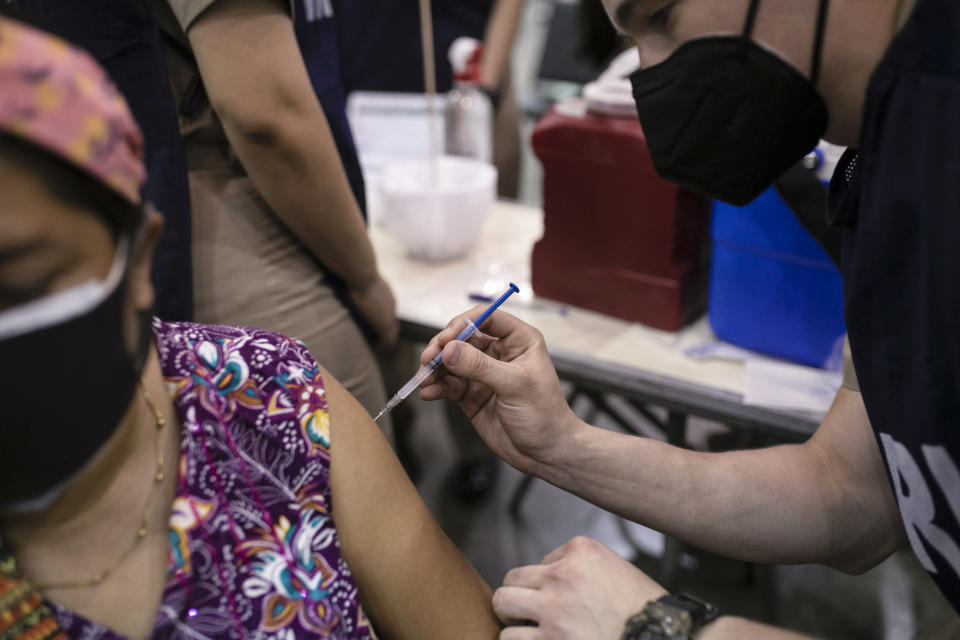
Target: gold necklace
(141,532)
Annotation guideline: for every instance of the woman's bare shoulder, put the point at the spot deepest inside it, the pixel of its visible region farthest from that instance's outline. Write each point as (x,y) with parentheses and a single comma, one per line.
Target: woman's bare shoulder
(413,581)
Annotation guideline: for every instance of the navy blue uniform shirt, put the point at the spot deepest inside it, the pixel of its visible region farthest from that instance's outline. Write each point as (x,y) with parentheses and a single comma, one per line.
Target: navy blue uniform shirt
(380,41)
(898,201)
(318,40)
(123,37)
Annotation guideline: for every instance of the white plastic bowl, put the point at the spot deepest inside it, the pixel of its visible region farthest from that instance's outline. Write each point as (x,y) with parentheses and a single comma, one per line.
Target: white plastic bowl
(442,220)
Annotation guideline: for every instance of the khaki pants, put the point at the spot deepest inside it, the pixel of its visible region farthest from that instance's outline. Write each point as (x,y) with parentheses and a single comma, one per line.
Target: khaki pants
(251,270)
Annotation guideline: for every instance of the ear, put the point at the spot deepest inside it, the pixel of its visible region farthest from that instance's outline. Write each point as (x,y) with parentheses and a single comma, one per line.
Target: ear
(141,285)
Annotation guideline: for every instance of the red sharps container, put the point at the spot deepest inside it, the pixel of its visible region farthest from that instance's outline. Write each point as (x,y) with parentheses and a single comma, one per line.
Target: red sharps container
(617,239)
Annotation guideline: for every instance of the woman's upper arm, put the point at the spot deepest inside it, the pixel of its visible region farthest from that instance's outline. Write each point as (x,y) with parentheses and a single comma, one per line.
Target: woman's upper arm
(413,582)
(251,64)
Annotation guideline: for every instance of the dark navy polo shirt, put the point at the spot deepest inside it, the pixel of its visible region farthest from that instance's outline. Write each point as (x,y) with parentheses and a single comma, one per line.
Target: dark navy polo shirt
(123,37)
(319,43)
(380,41)
(318,39)
(898,200)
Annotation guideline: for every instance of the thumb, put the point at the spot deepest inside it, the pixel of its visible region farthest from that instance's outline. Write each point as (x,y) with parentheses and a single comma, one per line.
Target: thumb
(466,361)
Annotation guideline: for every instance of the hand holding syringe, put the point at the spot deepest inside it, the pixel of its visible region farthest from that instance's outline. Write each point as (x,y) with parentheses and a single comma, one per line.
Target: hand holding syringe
(425,370)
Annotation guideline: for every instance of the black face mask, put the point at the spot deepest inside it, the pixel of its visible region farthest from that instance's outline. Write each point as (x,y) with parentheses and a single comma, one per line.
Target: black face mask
(725,117)
(66,380)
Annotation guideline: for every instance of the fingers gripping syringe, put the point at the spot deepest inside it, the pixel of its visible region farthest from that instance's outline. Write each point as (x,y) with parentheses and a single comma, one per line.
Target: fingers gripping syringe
(425,370)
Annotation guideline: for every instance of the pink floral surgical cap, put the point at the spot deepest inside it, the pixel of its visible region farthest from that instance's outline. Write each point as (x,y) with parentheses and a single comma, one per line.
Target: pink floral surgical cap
(58,98)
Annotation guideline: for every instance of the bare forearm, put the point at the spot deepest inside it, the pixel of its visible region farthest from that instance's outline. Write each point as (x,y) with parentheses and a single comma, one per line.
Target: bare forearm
(794,503)
(747,505)
(254,74)
(498,40)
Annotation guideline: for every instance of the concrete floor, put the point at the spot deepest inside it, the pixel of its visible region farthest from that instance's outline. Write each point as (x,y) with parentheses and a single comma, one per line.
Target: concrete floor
(895,600)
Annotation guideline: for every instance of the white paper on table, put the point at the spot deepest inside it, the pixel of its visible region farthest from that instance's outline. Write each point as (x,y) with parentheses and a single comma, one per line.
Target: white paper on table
(388,127)
(661,353)
(780,385)
(719,350)
(393,126)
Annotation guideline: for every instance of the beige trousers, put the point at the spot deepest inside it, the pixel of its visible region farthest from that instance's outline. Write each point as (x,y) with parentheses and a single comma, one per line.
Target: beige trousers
(251,270)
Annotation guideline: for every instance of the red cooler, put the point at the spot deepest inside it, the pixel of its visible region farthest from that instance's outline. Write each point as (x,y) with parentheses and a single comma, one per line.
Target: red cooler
(617,239)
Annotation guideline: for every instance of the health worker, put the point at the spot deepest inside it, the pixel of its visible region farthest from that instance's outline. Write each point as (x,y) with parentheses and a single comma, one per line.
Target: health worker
(731,94)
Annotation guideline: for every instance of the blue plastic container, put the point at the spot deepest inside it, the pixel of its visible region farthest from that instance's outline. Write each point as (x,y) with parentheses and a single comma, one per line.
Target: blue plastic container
(773,289)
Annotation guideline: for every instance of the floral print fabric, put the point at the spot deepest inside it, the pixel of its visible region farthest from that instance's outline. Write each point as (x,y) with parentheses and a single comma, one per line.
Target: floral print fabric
(253,548)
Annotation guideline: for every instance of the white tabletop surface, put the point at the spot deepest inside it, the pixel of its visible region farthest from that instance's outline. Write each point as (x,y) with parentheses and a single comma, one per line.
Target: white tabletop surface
(430,294)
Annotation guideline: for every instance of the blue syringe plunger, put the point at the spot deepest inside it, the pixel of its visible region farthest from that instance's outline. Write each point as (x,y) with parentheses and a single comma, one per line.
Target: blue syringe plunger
(425,370)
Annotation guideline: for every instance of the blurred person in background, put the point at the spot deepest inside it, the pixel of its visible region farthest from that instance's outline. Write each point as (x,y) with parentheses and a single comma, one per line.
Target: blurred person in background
(175,480)
(380,50)
(599,42)
(277,196)
(122,36)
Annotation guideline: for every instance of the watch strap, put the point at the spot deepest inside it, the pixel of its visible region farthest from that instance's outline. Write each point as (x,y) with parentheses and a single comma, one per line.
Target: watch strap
(671,617)
(701,612)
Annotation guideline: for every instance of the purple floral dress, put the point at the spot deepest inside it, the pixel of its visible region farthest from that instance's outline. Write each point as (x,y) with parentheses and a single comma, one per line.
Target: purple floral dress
(253,550)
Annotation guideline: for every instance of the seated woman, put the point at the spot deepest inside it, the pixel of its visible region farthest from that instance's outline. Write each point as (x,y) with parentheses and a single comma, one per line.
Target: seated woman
(179,482)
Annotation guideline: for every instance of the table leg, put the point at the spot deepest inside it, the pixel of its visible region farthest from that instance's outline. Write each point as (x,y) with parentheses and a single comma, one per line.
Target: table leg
(600,403)
(518,495)
(516,502)
(676,429)
(670,563)
(767,582)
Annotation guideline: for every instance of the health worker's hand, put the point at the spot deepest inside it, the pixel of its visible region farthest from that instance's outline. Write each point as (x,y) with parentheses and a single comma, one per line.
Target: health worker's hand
(580,590)
(376,304)
(507,386)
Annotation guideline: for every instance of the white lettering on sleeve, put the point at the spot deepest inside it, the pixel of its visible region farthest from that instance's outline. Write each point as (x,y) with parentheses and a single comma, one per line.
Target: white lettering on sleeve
(917,507)
(317,9)
(945,472)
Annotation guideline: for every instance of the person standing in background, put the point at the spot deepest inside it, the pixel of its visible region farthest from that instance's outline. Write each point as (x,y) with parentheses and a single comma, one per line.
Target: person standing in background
(380,50)
(279,235)
(122,36)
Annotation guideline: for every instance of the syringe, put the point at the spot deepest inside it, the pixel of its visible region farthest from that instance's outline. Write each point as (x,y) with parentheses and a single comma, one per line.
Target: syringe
(426,369)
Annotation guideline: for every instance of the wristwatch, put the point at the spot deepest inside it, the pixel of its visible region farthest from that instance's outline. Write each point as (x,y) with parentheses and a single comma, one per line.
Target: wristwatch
(672,617)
